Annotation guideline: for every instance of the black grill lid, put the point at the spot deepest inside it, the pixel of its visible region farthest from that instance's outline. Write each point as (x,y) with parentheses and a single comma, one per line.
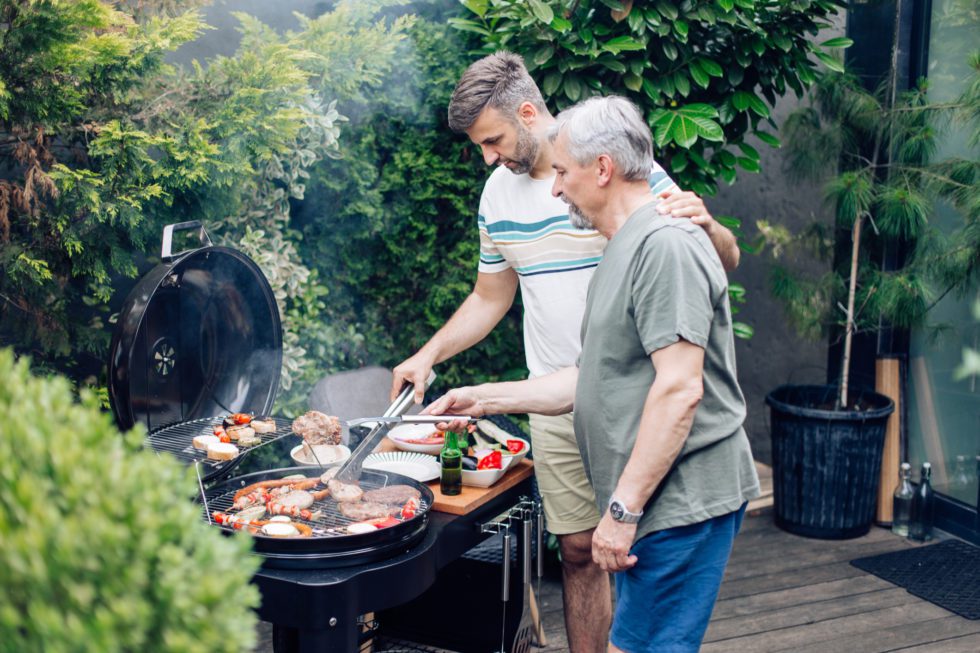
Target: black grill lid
(198,336)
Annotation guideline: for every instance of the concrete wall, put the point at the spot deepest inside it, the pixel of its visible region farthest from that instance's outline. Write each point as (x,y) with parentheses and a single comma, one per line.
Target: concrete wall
(776,354)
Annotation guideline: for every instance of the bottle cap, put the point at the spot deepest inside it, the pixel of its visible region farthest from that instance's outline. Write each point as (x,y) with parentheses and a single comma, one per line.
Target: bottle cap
(905,466)
(926,465)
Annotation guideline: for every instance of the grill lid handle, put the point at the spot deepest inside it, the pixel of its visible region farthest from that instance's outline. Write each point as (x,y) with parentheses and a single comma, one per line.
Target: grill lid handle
(166,251)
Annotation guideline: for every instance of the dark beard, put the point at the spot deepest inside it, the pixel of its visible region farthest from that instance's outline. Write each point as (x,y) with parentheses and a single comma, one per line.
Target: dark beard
(526,152)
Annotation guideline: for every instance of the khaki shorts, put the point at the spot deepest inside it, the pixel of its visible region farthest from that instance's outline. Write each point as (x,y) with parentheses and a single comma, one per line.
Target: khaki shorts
(569,501)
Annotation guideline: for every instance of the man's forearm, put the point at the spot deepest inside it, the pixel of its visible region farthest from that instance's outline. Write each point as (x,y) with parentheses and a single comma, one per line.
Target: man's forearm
(726,244)
(668,414)
(552,394)
(472,321)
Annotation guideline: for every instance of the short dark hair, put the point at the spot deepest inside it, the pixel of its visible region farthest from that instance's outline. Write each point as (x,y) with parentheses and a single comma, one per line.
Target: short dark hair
(499,80)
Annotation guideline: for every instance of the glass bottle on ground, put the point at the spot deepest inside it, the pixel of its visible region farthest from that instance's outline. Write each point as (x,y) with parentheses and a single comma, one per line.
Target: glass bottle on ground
(451,460)
(902,501)
(923,507)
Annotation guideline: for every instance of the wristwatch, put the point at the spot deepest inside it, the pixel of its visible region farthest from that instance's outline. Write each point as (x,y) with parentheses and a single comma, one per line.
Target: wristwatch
(619,512)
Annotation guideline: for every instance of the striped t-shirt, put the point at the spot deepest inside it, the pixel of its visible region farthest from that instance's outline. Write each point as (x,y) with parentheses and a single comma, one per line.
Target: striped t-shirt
(523,226)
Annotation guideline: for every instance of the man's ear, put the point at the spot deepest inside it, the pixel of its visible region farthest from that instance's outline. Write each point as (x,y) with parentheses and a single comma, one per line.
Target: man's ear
(603,170)
(527,113)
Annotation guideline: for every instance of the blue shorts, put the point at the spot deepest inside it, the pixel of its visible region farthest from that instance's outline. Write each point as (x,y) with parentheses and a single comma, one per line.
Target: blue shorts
(664,602)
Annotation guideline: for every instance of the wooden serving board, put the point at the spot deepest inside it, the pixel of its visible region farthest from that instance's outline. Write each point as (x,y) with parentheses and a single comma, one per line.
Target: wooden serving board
(473,497)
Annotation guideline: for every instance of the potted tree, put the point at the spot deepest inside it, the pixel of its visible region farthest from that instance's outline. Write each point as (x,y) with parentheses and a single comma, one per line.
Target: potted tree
(827,440)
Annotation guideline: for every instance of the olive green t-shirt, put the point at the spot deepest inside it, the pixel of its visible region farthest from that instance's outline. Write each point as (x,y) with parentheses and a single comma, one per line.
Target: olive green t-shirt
(660,280)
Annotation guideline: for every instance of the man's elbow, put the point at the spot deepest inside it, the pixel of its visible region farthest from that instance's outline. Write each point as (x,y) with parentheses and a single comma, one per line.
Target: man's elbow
(687,392)
(732,260)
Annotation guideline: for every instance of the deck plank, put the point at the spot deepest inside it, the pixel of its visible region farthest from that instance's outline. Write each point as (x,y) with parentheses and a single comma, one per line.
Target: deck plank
(822,630)
(964,644)
(939,635)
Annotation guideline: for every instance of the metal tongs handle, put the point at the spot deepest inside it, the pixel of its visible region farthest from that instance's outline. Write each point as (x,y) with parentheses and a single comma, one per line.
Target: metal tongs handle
(350,471)
(390,420)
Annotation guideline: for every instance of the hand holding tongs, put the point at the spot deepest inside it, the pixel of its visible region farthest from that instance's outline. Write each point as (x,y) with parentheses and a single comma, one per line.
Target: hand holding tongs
(350,471)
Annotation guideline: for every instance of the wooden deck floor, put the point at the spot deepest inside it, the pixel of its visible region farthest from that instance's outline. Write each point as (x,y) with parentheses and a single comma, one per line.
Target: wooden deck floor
(788,593)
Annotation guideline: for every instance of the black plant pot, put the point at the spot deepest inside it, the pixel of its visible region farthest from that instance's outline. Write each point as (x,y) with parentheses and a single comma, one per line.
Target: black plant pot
(825,462)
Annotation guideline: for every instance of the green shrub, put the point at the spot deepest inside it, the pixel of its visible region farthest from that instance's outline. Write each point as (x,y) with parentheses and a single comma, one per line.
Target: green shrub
(101,548)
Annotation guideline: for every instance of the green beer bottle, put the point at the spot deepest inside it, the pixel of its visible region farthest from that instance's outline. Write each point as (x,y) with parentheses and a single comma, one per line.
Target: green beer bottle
(451,481)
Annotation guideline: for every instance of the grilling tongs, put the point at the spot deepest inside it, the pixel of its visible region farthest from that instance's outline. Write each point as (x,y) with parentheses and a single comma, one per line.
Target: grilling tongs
(350,471)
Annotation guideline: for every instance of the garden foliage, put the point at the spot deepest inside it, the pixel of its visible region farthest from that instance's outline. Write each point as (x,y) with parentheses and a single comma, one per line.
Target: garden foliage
(705,73)
(101,548)
(105,144)
(919,210)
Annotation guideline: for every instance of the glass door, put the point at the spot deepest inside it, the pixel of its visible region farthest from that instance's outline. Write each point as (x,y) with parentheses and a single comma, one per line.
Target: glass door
(944,413)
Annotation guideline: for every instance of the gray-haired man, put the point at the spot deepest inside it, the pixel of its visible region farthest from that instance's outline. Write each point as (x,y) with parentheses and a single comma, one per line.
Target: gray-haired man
(663,443)
(526,239)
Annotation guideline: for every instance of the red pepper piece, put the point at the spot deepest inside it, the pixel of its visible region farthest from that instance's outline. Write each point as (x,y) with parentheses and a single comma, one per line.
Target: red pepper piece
(493,460)
(515,446)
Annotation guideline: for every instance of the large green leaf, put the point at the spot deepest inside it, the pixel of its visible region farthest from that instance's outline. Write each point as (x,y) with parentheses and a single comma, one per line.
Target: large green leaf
(478,7)
(544,54)
(830,61)
(768,139)
(699,76)
(623,43)
(682,84)
(838,42)
(686,124)
(541,11)
(551,83)
(633,82)
(743,100)
(710,67)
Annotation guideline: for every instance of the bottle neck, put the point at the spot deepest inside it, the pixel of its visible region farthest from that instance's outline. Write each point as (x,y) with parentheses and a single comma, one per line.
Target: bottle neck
(451,441)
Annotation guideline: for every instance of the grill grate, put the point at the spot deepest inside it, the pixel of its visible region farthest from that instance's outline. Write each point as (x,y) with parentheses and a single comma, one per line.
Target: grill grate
(331,523)
(177,440)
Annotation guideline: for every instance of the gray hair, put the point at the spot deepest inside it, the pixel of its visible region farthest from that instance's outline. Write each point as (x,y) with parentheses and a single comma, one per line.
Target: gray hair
(498,80)
(607,125)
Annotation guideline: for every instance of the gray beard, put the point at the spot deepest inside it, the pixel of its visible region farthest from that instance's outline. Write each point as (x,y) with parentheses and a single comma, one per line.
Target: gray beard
(578,219)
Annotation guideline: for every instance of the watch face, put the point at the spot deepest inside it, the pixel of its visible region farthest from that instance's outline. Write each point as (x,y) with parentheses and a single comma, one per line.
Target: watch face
(616,509)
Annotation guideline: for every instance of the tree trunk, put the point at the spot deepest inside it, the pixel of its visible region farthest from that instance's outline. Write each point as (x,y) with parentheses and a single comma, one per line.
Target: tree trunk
(849,328)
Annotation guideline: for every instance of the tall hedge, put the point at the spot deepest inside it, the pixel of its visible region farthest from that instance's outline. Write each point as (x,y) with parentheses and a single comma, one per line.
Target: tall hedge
(390,227)
(101,549)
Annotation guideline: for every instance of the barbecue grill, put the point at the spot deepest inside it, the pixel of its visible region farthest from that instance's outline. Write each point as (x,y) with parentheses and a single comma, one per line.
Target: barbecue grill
(198,338)
(330,545)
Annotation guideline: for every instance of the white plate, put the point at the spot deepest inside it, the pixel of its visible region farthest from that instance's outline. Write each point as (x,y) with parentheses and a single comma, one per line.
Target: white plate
(327,454)
(418,466)
(403,432)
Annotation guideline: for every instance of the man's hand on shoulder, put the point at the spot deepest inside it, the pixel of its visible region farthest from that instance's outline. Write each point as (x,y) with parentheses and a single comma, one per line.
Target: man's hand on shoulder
(686,204)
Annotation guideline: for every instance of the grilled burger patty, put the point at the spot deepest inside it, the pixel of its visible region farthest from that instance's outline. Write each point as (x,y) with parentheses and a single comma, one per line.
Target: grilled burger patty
(393,494)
